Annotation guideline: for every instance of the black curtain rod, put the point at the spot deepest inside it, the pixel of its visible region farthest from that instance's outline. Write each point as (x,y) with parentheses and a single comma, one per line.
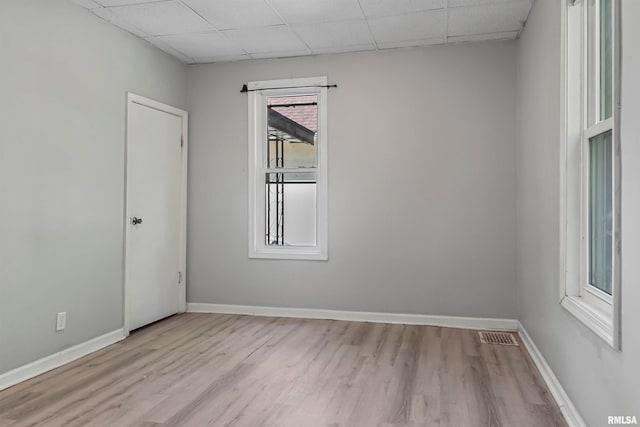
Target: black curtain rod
(302,104)
(246,89)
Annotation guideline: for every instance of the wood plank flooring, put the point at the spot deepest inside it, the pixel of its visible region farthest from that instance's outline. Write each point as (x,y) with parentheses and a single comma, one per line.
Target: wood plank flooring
(226,370)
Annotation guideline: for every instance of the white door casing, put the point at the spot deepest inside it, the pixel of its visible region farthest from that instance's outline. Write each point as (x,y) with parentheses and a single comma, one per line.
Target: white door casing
(155,248)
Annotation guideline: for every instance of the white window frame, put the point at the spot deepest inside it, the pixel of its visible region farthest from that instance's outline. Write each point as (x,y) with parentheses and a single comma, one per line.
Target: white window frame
(599,311)
(258,92)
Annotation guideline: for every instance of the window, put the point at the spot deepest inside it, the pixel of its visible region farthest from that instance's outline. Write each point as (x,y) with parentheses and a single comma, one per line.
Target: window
(288,169)
(590,217)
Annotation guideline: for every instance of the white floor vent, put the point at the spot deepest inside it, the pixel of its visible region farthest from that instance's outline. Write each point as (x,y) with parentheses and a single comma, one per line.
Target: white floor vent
(502,338)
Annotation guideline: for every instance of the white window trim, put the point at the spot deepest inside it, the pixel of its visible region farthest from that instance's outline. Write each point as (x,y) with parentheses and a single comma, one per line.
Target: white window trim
(597,310)
(258,92)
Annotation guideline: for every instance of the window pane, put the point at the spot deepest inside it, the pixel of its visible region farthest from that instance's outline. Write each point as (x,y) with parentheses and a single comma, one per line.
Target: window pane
(290,209)
(605,46)
(292,131)
(601,211)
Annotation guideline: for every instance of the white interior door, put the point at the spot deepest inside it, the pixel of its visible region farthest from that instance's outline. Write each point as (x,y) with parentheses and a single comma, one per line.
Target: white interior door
(154,214)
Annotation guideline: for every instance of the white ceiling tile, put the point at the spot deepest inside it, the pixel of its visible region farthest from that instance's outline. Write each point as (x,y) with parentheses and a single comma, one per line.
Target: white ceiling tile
(157,42)
(309,11)
(230,14)
(456,3)
(333,34)
(162,18)
(186,29)
(111,3)
(508,35)
(413,43)
(88,4)
(492,18)
(108,15)
(378,8)
(406,28)
(196,45)
(266,39)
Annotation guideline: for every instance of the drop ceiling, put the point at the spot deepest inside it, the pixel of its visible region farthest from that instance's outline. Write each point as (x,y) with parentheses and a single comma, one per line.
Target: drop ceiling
(204,31)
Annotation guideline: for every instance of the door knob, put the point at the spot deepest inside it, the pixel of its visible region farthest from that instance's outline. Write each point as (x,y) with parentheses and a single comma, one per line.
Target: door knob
(136,221)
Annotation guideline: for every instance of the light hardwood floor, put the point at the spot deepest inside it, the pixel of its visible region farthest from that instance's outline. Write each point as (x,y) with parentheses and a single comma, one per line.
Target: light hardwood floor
(225,370)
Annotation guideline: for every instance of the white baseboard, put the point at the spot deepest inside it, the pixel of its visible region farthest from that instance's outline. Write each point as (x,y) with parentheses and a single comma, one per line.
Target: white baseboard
(359,316)
(58,359)
(571,414)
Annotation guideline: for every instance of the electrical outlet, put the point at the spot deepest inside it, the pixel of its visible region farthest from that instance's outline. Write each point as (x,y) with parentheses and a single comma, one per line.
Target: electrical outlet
(61,321)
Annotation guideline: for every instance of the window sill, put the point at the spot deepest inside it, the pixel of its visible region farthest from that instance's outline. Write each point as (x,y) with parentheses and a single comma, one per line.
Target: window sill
(600,323)
(288,254)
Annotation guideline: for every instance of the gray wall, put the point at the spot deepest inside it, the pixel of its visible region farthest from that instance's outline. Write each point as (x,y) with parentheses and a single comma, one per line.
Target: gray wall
(63,80)
(421,184)
(599,380)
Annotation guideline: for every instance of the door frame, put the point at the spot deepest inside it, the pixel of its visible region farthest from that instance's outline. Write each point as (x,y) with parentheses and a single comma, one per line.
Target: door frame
(181,293)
